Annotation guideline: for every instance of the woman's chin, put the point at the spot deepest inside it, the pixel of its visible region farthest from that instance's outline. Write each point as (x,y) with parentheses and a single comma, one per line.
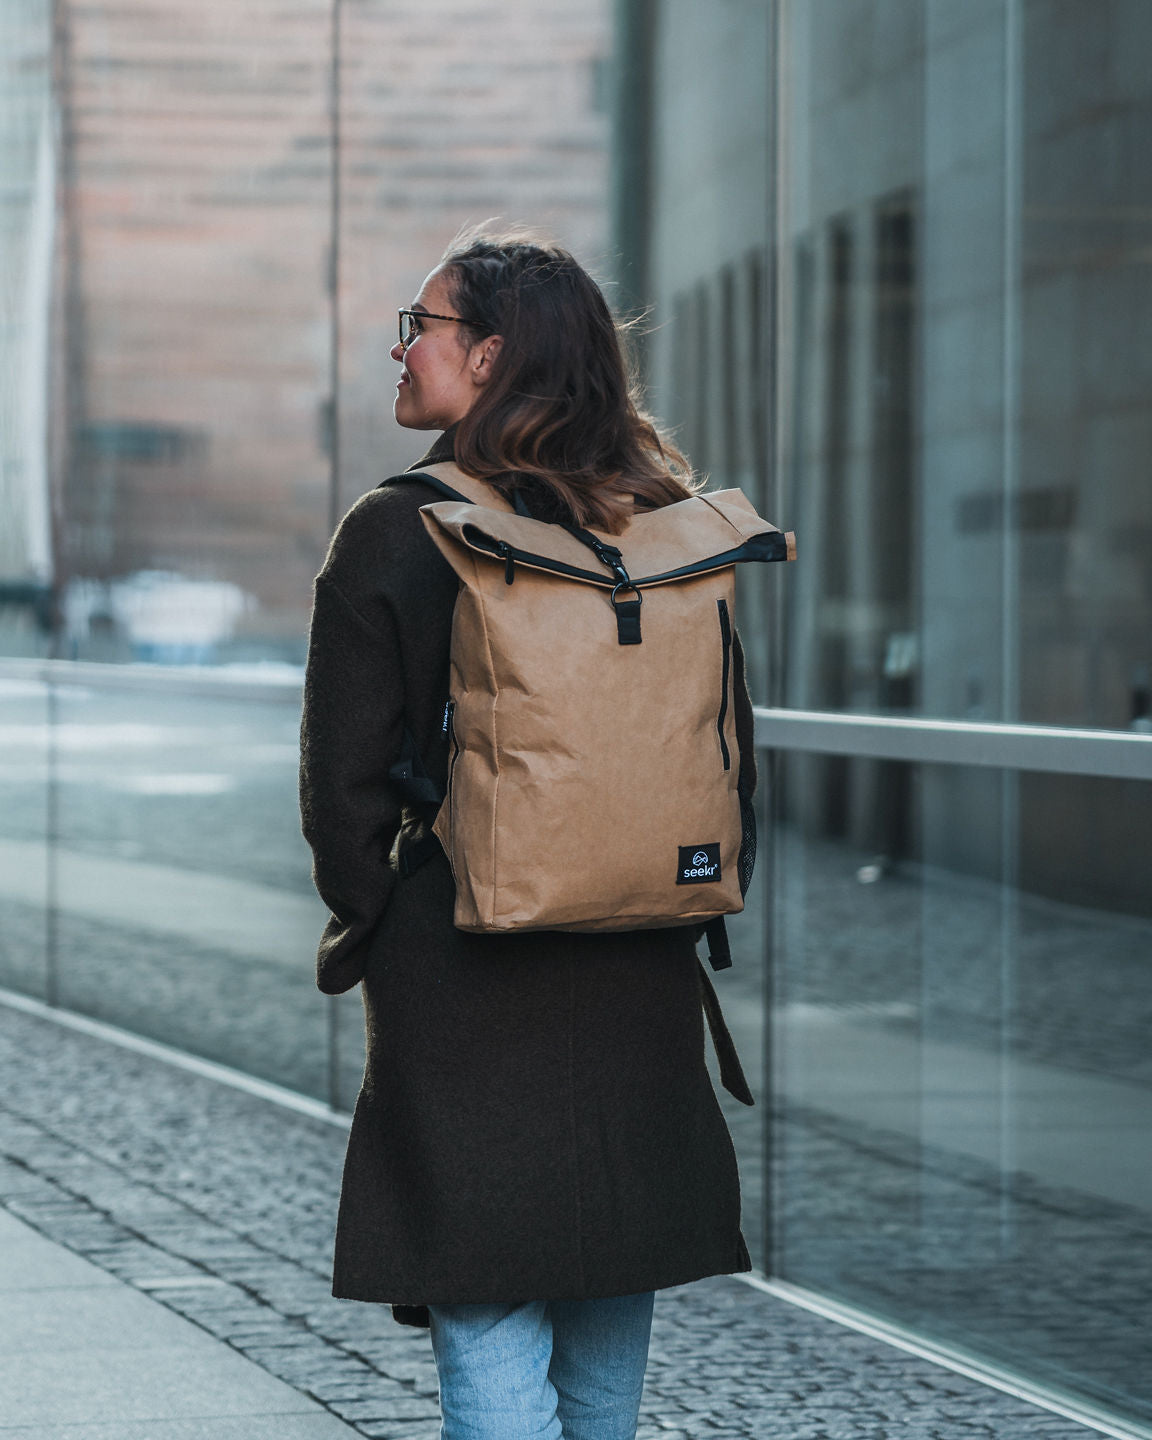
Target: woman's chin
(411,416)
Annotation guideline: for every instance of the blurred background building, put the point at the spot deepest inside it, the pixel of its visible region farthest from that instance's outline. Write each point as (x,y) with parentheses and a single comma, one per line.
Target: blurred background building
(894,257)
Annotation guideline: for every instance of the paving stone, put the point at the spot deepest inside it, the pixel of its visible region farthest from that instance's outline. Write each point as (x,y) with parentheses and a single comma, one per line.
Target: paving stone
(384,1407)
(390,1430)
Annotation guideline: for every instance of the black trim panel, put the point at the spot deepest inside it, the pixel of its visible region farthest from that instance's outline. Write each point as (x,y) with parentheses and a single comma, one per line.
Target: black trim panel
(769,546)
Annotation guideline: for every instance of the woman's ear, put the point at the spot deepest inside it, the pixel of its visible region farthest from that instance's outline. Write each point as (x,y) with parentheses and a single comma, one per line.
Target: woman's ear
(482,361)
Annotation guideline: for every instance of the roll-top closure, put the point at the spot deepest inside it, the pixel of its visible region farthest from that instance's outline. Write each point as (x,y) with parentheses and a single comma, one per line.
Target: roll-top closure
(691,537)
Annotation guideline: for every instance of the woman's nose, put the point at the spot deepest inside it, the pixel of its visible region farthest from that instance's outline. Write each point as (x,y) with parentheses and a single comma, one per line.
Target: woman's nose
(397,351)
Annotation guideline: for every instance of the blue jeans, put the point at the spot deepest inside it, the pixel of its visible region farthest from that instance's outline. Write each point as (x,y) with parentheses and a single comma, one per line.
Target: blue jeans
(545,1370)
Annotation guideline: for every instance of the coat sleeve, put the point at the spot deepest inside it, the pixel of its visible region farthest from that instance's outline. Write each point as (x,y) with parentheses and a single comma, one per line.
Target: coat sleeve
(350,735)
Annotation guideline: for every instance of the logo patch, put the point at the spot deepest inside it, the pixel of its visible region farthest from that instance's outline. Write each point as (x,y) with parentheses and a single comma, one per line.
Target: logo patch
(699,865)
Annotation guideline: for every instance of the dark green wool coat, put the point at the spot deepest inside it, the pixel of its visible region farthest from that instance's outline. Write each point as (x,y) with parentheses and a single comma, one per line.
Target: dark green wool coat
(536,1119)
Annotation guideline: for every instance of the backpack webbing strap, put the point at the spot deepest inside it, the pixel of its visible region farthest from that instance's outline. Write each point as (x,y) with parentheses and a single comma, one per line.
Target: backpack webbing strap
(410,777)
(417,853)
(719,951)
(444,489)
(731,1071)
(627,611)
(518,503)
(418,788)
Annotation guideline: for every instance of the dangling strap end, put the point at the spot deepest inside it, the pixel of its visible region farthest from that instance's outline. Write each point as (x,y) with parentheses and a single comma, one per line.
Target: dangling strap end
(731,1071)
(719,951)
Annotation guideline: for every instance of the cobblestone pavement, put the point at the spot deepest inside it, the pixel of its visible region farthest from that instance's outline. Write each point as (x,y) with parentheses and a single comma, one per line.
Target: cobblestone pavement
(220,1205)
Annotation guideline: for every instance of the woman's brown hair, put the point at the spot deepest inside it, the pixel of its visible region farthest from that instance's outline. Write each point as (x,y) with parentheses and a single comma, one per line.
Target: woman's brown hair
(559,419)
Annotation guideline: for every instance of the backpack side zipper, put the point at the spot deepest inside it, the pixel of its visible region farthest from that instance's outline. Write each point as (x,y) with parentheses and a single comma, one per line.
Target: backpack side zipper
(511,555)
(725,676)
(450,731)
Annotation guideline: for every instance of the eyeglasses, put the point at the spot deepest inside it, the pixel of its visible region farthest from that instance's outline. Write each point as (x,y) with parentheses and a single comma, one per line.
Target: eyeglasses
(412,320)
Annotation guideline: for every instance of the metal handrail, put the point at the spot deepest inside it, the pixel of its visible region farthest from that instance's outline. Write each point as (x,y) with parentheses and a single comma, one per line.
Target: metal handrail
(1118,754)
(239,683)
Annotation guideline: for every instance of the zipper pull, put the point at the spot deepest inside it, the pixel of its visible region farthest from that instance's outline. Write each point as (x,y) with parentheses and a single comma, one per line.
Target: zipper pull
(504,549)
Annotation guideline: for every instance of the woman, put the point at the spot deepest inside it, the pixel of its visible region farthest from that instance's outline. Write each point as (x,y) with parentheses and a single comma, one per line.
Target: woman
(537,1146)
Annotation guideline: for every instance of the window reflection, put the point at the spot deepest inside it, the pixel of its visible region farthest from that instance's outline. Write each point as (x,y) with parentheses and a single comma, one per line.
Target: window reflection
(967,411)
(193,314)
(209,217)
(962,1072)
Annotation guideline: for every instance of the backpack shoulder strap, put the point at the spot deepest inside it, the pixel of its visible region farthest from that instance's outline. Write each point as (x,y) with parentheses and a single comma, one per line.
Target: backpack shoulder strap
(450,482)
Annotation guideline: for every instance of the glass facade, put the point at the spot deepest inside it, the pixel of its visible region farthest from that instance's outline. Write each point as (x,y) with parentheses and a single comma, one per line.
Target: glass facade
(896,258)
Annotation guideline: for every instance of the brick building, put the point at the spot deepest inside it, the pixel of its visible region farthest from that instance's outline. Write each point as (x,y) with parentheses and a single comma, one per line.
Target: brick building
(246,192)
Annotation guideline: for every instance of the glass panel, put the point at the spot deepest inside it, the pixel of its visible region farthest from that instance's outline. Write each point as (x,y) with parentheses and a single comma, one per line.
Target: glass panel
(964,411)
(25,810)
(1084,509)
(963,987)
(193,345)
(27,201)
(891,366)
(185,908)
(707,165)
(706,173)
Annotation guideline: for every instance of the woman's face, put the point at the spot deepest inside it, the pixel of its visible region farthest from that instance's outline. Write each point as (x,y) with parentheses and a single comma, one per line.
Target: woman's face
(443,374)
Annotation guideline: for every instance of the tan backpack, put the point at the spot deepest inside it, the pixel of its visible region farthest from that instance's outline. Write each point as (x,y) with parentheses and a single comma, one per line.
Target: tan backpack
(593,762)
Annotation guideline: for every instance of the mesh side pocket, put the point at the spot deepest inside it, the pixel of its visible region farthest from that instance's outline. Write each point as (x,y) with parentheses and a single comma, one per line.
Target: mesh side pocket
(746,861)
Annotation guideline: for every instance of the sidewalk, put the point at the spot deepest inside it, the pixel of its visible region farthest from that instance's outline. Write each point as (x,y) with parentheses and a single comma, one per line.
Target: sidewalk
(83,1355)
(164,1247)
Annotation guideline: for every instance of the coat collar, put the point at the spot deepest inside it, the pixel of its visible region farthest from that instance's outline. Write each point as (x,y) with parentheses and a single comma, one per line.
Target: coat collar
(441,449)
